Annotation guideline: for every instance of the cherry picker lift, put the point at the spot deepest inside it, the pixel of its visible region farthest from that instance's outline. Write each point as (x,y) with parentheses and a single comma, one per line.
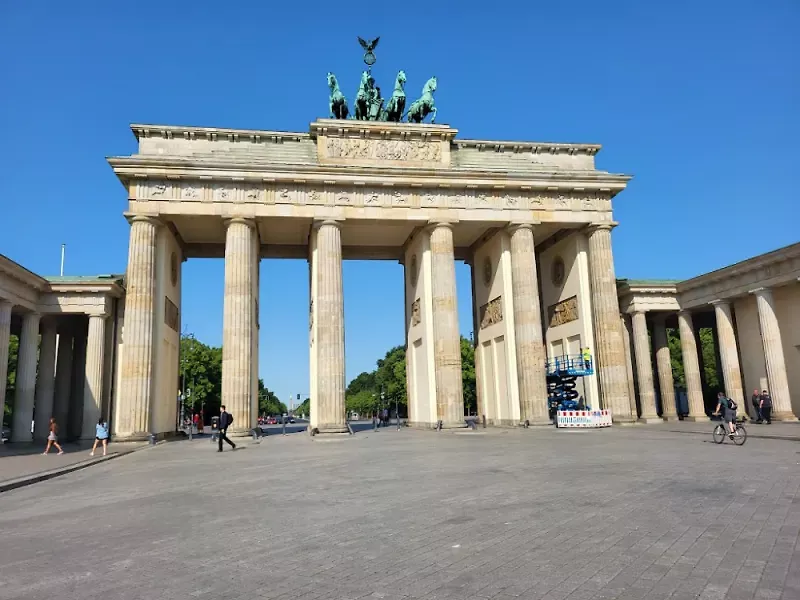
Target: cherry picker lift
(562,373)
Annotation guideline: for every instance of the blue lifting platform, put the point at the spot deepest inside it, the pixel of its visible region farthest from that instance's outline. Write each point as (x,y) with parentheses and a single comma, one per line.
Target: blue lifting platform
(562,371)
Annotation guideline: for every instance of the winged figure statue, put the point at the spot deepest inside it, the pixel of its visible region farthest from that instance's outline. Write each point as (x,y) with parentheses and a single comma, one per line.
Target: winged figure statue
(369,46)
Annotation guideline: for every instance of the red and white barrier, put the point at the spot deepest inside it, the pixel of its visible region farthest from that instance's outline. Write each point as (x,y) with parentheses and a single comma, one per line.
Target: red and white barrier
(583,418)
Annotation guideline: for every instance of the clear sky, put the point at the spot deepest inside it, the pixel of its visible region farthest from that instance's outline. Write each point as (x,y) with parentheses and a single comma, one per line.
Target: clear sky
(697,100)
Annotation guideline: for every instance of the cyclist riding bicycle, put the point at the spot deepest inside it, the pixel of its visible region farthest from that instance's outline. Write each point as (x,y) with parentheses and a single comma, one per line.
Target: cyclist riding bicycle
(729,415)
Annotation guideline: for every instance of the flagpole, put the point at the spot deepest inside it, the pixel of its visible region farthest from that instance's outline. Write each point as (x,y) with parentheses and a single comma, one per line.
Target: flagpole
(63,246)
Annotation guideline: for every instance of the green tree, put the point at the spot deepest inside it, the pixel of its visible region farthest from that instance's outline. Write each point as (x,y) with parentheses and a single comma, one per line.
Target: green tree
(268,402)
(364,402)
(11,379)
(201,370)
(304,408)
(468,376)
(364,381)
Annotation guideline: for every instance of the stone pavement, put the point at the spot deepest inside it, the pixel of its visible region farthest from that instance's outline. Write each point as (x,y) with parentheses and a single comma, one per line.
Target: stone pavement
(625,513)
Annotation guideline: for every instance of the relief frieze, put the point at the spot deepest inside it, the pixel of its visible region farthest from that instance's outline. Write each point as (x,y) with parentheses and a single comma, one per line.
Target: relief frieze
(492,312)
(563,312)
(391,150)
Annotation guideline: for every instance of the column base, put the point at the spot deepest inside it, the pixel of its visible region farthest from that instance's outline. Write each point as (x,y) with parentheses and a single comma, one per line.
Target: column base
(650,419)
(670,418)
(697,419)
(785,416)
(332,428)
(130,437)
(623,420)
(542,422)
(454,424)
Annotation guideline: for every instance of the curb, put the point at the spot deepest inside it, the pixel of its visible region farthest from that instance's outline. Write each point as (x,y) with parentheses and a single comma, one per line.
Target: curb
(19,482)
(782,438)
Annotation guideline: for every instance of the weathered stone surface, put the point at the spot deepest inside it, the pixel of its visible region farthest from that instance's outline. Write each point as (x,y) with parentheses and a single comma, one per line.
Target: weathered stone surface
(666,381)
(773,353)
(5,336)
(26,378)
(729,354)
(691,367)
(45,382)
(93,375)
(644,369)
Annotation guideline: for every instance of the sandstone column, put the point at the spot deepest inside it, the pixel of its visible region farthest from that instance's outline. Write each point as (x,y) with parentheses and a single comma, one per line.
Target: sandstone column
(446,337)
(78,376)
(666,383)
(609,348)
(93,384)
(134,402)
(329,302)
(625,324)
(5,338)
(644,369)
(531,375)
(691,367)
(729,355)
(63,378)
(773,353)
(45,382)
(26,378)
(238,323)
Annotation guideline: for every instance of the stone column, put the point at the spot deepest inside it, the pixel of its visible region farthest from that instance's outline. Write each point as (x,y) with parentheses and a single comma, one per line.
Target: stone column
(691,368)
(78,376)
(446,337)
(644,369)
(134,403)
(329,302)
(531,376)
(63,378)
(773,354)
(93,384)
(26,378)
(625,324)
(609,348)
(5,339)
(666,383)
(45,382)
(729,355)
(238,323)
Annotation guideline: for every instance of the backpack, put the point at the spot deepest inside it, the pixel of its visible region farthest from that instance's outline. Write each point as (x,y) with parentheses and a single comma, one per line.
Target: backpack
(230,420)
(732,405)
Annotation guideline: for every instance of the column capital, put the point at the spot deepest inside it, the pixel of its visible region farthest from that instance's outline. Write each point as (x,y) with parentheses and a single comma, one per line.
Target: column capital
(134,218)
(49,322)
(603,226)
(331,222)
(251,223)
(685,312)
(515,225)
(436,223)
(6,304)
(761,291)
(98,315)
(720,302)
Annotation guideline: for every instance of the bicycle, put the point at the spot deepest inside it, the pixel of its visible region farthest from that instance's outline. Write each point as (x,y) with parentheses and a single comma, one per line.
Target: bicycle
(721,431)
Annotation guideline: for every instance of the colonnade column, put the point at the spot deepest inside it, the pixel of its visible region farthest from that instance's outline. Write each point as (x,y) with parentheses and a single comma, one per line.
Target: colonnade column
(63,383)
(644,369)
(626,341)
(773,354)
(134,404)
(446,337)
(329,342)
(5,338)
(666,382)
(531,375)
(45,382)
(239,322)
(609,349)
(26,378)
(729,355)
(93,384)
(691,368)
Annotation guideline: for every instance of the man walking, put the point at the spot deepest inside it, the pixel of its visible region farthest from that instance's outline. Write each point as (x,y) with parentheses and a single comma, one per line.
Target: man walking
(225,420)
(766,407)
(756,401)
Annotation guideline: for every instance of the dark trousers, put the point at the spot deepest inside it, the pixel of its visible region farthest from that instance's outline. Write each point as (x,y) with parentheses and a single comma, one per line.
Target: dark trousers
(757,410)
(766,411)
(222,436)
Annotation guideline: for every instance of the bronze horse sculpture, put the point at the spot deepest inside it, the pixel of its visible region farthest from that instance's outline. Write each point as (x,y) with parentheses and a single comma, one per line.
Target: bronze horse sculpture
(424,105)
(337,102)
(397,103)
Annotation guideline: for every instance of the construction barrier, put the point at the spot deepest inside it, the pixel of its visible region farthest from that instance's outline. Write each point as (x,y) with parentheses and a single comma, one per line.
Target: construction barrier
(583,418)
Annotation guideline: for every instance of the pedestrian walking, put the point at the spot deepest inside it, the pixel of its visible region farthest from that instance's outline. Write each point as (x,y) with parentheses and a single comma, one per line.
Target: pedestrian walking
(766,407)
(100,436)
(52,438)
(225,420)
(756,402)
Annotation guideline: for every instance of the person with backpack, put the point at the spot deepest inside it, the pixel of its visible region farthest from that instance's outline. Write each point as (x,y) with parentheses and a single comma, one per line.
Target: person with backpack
(225,420)
(766,407)
(729,415)
(100,435)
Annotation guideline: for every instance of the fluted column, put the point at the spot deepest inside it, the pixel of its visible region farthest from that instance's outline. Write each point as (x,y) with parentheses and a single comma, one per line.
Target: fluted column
(446,337)
(26,378)
(531,376)
(78,381)
(93,384)
(609,348)
(691,368)
(238,322)
(5,338)
(625,325)
(729,355)
(773,354)
(644,369)
(134,404)
(63,383)
(45,382)
(330,329)
(666,382)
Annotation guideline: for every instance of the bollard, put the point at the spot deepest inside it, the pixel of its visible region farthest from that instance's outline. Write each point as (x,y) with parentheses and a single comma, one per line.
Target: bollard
(152,439)
(527,423)
(254,433)
(439,426)
(483,421)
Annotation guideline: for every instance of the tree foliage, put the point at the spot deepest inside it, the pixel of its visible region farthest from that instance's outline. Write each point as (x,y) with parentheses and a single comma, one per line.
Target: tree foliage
(11,378)
(268,402)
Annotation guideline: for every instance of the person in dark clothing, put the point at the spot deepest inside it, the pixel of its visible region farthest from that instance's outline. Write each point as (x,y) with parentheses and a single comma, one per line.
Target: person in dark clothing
(766,407)
(756,401)
(225,419)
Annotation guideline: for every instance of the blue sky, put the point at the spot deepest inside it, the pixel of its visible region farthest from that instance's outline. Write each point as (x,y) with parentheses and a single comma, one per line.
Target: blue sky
(697,100)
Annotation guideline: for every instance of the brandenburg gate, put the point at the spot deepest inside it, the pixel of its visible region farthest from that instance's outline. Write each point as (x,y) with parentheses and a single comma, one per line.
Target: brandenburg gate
(532,219)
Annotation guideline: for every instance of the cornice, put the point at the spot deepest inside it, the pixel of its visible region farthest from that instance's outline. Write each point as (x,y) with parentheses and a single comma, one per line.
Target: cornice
(16,271)
(533,147)
(214,133)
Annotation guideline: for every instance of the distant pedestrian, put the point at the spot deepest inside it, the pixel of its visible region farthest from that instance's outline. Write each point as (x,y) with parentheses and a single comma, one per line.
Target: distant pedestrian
(52,437)
(196,420)
(756,402)
(766,407)
(225,420)
(587,358)
(100,435)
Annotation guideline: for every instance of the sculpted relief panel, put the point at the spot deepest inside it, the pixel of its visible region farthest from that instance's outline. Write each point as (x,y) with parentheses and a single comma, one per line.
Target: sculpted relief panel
(382,150)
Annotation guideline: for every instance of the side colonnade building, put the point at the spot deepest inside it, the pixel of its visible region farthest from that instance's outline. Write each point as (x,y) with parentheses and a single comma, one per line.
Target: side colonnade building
(533,220)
